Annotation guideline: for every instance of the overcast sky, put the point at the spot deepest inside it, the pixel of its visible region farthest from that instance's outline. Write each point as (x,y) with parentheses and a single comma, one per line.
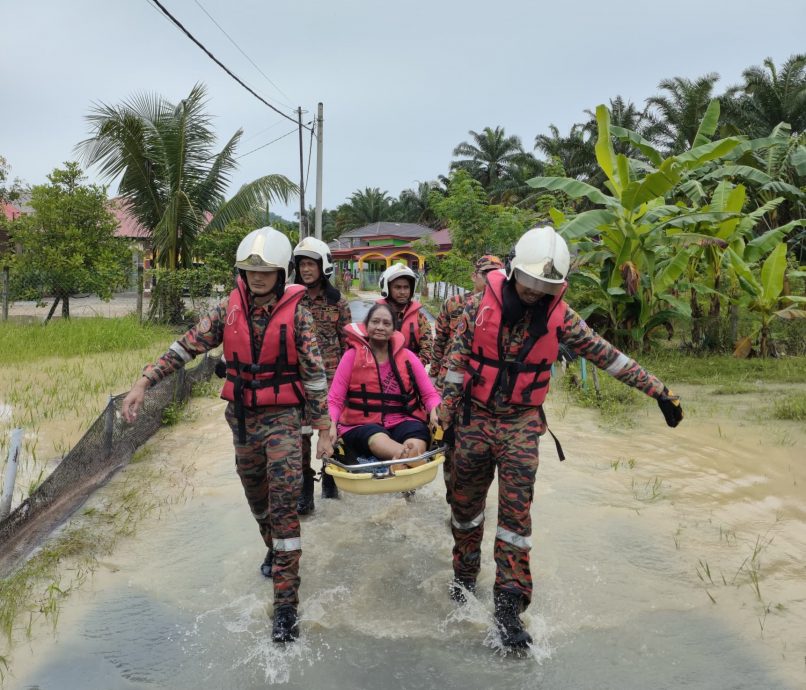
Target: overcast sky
(402,82)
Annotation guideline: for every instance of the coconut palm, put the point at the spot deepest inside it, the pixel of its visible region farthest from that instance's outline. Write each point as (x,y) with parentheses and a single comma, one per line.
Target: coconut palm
(172,179)
(680,110)
(770,96)
(489,157)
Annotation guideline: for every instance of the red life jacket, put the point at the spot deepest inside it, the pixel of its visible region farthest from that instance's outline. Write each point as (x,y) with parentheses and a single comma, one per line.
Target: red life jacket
(524,377)
(366,402)
(410,324)
(274,378)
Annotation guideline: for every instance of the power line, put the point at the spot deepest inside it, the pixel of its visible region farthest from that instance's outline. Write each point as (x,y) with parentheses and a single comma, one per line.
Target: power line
(262,131)
(218,62)
(231,40)
(268,143)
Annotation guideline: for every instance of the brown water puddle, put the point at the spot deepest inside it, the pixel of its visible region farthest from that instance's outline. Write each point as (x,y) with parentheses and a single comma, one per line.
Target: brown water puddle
(661,557)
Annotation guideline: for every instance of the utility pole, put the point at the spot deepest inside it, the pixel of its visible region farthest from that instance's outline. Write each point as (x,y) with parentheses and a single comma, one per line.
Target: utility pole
(318,217)
(303,226)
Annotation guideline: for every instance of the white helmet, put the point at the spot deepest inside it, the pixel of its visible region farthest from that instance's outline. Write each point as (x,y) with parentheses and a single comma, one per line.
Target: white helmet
(265,249)
(311,248)
(541,260)
(392,273)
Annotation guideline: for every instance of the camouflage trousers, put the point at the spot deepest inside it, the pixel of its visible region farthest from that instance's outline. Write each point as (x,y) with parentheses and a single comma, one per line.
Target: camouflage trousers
(507,443)
(447,474)
(270,469)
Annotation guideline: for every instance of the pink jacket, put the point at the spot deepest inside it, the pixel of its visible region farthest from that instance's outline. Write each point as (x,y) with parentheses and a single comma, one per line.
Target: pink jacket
(337,395)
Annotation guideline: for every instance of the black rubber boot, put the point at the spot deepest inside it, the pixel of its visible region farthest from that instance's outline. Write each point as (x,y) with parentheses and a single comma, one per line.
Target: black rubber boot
(265,567)
(460,587)
(508,606)
(329,488)
(305,504)
(285,628)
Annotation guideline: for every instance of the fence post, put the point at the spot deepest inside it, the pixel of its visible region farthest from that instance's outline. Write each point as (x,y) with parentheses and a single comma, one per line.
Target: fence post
(109,425)
(139,284)
(180,384)
(11,473)
(5,292)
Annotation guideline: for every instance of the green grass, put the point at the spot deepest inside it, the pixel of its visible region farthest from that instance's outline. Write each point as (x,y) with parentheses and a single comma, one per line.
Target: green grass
(77,337)
(722,370)
(734,388)
(615,401)
(792,407)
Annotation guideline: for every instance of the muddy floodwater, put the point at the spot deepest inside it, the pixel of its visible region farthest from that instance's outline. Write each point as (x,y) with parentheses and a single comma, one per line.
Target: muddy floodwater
(663,558)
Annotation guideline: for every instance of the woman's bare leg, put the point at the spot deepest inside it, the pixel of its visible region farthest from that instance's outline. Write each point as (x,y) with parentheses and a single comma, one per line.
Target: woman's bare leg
(384,447)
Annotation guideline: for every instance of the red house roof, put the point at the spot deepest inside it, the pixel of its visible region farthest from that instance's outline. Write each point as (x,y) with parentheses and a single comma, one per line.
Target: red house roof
(10,211)
(127,223)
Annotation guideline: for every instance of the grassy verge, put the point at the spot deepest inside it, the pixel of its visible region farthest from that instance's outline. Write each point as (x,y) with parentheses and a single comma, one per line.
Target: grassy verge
(730,376)
(723,370)
(55,379)
(21,343)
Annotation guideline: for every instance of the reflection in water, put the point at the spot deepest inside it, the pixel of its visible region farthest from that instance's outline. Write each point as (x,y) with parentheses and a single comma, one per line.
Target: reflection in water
(662,559)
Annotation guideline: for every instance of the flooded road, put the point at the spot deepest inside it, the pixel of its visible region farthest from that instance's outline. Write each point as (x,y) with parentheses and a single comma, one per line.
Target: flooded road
(662,558)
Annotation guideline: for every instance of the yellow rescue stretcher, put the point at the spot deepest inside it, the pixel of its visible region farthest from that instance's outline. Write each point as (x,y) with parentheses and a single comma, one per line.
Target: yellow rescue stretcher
(386,476)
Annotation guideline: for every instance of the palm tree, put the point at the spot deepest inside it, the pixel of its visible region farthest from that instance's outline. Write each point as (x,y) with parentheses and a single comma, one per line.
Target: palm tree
(364,207)
(414,205)
(681,110)
(575,152)
(770,96)
(627,115)
(170,176)
(490,157)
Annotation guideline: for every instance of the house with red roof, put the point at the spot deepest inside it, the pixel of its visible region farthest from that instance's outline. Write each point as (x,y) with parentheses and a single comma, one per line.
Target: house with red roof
(369,250)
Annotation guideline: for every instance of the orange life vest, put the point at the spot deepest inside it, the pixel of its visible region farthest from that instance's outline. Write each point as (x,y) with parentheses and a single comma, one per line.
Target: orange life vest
(410,324)
(273,377)
(524,377)
(366,402)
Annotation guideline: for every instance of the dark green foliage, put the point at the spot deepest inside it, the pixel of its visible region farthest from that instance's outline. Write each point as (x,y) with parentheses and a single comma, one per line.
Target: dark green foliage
(68,243)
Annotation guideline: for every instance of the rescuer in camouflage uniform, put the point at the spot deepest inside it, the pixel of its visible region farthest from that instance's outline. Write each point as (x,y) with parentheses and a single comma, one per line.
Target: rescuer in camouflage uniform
(444,330)
(397,291)
(494,396)
(276,370)
(331,315)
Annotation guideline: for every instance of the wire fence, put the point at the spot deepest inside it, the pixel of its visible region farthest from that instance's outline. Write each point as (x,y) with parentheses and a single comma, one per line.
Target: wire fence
(105,447)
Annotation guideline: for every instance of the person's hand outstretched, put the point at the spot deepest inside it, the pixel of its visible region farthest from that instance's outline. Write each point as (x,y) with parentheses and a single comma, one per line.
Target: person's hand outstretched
(134,400)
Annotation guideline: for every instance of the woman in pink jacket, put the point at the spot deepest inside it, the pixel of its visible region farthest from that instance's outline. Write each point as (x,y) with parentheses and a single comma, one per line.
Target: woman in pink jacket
(381,396)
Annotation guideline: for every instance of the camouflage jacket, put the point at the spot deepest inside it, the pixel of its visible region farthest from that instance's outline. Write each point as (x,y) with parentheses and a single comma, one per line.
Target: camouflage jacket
(209,333)
(444,330)
(575,334)
(330,319)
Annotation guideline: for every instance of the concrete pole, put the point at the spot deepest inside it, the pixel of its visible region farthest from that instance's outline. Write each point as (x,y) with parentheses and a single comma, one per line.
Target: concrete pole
(6,281)
(318,217)
(11,473)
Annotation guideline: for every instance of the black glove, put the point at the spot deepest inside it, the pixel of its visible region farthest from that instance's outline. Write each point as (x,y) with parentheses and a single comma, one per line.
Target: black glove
(670,406)
(221,369)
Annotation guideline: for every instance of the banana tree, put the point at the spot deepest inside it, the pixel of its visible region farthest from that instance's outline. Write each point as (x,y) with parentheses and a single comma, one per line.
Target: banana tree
(628,236)
(763,297)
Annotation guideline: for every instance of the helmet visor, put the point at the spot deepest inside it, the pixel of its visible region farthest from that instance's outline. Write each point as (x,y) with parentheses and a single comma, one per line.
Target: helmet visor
(548,287)
(255,263)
